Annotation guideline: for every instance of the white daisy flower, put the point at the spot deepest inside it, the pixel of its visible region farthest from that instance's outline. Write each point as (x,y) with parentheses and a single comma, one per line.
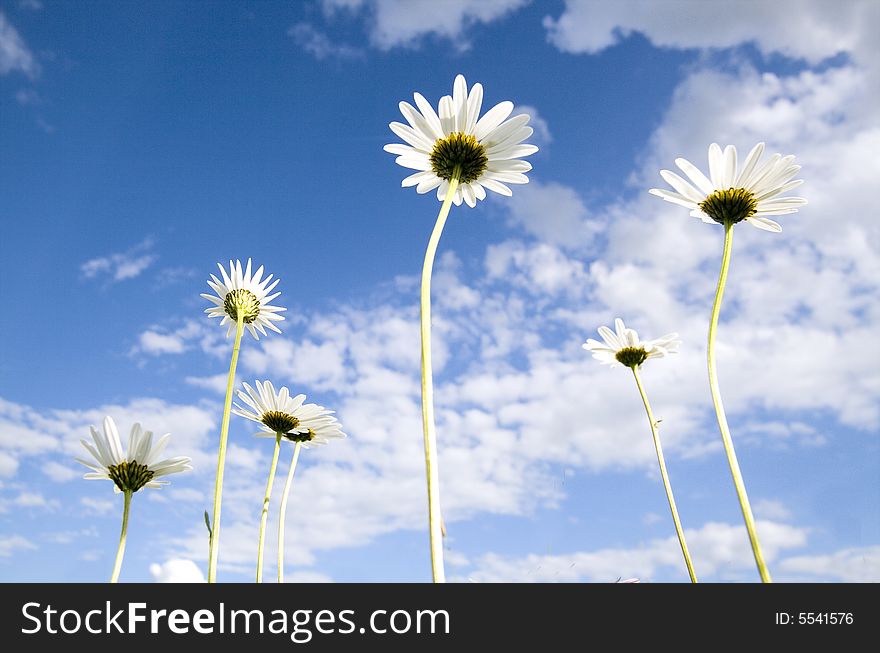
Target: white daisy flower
(624,348)
(483,152)
(278,412)
(246,293)
(139,467)
(732,195)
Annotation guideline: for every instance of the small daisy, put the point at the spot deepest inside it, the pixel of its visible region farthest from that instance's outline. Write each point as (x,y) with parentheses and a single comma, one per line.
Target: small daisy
(242,293)
(140,467)
(279,413)
(730,195)
(130,472)
(624,348)
(482,152)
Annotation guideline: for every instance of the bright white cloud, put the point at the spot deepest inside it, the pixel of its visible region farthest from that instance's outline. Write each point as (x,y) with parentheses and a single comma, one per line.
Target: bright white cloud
(552,213)
(808,29)
(14,52)
(176,570)
(403,23)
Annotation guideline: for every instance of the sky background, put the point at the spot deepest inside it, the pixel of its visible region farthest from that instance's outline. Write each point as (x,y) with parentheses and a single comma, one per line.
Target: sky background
(141,143)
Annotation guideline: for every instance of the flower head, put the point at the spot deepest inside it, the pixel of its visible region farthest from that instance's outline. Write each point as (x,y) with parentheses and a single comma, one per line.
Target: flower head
(455,142)
(624,348)
(730,195)
(245,294)
(138,468)
(278,412)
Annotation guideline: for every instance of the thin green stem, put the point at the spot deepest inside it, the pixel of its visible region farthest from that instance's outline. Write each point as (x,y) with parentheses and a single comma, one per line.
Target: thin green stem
(665,476)
(120,551)
(221,455)
(265,514)
(282,515)
(719,410)
(435,527)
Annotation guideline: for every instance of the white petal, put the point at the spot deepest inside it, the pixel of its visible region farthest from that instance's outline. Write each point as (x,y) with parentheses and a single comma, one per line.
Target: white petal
(695,175)
(716,165)
(494,117)
(764,223)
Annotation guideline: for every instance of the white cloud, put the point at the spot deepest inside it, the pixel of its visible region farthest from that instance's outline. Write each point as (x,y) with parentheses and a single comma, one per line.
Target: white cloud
(552,213)
(319,45)
(14,53)
(808,29)
(176,570)
(121,266)
(403,23)
(9,544)
(719,551)
(542,136)
(100,507)
(854,565)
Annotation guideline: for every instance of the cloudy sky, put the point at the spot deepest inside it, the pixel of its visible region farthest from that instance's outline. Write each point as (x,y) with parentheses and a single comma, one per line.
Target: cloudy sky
(144,142)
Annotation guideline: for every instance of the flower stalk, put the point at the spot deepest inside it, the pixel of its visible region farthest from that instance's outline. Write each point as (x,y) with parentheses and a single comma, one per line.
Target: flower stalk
(120,551)
(430,437)
(265,513)
(282,516)
(738,483)
(679,531)
(221,456)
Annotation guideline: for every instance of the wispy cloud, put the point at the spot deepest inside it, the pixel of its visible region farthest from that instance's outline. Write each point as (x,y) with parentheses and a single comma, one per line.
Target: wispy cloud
(319,45)
(121,266)
(14,52)
(404,23)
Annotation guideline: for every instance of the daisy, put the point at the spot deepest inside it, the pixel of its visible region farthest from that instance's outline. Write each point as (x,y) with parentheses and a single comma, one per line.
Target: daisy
(290,418)
(138,468)
(623,347)
(728,196)
(242,300)
(731,195)
(246,295)
(456,143)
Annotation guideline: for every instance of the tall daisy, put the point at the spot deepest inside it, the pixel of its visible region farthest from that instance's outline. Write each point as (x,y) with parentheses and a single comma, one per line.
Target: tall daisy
(728,196)
(623,348)
(242,300)
(282,417)
(130,472)
(460,154)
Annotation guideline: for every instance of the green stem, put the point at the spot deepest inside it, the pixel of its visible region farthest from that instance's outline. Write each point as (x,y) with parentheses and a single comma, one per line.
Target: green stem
(120,551)
(221,456)
(719,410)
(434,519)
(665,475)
(265,514)
(282,516)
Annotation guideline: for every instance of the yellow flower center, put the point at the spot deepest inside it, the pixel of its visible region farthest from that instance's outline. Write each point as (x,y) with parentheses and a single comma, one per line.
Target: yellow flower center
(631,356)
(130,476)
(244,302)
(459,155)
(730,206)
(279,422)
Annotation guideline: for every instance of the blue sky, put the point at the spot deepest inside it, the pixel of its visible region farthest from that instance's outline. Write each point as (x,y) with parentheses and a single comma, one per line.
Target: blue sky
(143,143)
